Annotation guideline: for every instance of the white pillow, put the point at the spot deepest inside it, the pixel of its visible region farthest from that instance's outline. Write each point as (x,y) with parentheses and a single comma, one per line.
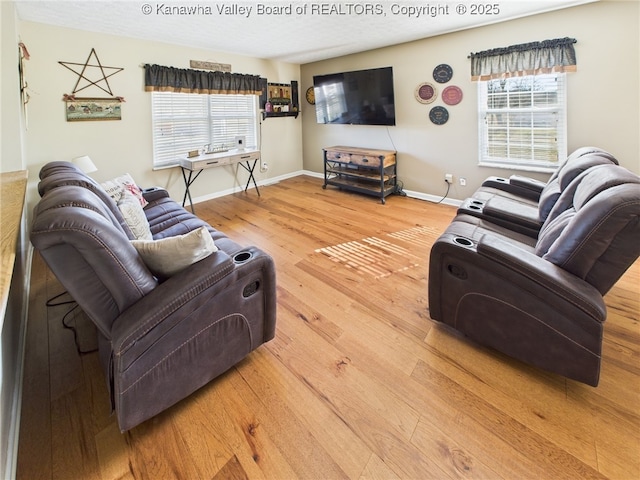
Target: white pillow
(116,186)
(134,215)
(168,256)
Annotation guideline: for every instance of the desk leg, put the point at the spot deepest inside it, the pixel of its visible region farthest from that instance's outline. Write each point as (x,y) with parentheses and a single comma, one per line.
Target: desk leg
(250,168)
(187,183)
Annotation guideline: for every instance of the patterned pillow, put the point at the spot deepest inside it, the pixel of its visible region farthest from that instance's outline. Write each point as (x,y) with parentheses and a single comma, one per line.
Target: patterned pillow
(168,256)
(133,214)
(116,186)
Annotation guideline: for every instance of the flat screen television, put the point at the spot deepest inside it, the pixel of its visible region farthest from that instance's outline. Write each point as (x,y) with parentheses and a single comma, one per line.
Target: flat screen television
(362,97)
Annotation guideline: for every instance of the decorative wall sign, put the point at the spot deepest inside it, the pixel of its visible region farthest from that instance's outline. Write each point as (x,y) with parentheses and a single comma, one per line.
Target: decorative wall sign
(442,73)
(91,109)
(426,92)
(439,115)
(216,67)
(94,74)
(452,95)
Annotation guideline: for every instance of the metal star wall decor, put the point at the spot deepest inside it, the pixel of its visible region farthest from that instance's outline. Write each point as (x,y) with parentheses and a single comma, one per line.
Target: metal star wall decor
(99,73)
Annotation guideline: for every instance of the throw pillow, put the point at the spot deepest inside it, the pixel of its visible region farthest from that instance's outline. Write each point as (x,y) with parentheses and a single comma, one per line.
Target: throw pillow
(168,256)
(116,186)
(134,215)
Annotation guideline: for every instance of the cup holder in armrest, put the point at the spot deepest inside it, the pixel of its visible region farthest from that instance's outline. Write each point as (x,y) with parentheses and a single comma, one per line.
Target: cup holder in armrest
(242,257)
(465,242)
(471,205)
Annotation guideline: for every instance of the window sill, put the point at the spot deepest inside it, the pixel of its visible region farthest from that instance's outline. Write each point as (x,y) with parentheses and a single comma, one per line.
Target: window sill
(519,167)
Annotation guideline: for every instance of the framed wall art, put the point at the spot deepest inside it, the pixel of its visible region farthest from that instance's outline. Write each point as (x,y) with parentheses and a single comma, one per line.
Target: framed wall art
(92,109)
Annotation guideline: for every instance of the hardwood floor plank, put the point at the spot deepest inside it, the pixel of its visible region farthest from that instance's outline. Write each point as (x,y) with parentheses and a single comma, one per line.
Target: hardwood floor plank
(358,383)
(34,447)
(298,445)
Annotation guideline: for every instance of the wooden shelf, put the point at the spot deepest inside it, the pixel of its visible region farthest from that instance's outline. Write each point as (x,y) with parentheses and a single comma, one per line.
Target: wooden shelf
(279,114)
(360,174)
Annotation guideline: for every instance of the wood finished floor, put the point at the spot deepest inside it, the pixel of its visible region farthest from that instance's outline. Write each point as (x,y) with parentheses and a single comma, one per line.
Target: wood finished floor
(359,383)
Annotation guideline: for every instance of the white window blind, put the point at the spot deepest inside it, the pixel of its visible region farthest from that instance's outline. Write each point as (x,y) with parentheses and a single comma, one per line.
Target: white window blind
(183,122)
(522,121)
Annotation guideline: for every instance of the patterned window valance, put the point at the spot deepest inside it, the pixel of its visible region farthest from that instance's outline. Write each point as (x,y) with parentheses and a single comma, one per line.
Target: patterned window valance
(548,56)
(169,79)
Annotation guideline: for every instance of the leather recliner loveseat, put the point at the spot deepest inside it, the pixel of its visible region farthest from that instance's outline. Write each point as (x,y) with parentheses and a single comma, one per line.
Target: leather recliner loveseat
(160,338)
(540,299)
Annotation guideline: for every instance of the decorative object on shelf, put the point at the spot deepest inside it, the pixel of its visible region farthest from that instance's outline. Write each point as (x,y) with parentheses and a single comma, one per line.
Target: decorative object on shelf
(311,96)
(452,95)
(88,109)
(426,92)
(442,73)
(280,99)
(279,94)
(101,76)
(215,66)
(439,115)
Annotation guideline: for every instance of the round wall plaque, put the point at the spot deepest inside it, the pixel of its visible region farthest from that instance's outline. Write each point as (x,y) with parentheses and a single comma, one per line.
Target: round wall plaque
(439,115)
(452,95)
(442,73)
(426,92)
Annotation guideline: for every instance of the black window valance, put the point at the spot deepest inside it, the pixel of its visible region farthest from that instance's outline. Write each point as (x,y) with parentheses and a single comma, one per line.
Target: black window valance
(548,56)
(170,79)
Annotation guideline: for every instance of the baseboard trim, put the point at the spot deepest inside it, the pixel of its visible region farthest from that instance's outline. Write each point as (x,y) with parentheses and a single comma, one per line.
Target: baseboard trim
(270,181)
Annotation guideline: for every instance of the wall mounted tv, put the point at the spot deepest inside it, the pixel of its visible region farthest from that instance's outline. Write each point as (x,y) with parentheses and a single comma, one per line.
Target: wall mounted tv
(363,97)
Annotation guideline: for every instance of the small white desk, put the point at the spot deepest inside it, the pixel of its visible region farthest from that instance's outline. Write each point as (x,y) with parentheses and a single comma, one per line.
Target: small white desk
(195,166)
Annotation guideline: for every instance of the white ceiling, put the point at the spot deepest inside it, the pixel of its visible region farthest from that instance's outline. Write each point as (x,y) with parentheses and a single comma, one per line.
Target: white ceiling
(344,27)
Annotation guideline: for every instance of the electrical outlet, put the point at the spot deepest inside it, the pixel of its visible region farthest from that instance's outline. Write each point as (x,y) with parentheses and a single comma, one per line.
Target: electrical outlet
(463,182)
(264,167)
(448,177)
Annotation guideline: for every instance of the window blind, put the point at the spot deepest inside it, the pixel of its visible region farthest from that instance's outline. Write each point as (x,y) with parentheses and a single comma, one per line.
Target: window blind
(523,120)
(182,122)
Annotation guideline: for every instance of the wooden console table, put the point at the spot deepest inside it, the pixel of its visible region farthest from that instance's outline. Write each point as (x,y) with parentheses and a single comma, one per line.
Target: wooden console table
(13,188)
(195,166)
(372,172)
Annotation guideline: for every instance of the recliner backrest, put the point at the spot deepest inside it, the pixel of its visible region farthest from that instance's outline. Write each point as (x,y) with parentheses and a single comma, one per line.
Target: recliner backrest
(84,244)
(596,238)
(562,178)
(58,174)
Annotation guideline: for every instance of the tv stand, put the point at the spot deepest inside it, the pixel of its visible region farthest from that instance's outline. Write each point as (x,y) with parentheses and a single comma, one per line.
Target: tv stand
(362,170)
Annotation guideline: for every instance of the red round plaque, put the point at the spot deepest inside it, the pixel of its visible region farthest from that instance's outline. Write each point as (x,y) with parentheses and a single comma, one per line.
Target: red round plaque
(452,95)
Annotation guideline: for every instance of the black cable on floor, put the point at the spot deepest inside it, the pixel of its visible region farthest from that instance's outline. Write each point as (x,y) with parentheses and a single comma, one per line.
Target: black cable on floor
(50,303)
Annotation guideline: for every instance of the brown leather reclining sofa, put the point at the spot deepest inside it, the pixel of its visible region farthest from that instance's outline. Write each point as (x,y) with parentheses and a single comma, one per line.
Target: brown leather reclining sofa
(526,274)
(160,339)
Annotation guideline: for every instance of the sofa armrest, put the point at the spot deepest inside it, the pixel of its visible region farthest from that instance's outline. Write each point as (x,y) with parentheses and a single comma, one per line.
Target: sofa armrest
(189,330)
(183,294)
(154,193)
(518,186)
(557,281)
(536,186)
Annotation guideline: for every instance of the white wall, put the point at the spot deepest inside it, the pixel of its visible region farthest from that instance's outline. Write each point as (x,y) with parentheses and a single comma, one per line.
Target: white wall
(123,146)
(603,95)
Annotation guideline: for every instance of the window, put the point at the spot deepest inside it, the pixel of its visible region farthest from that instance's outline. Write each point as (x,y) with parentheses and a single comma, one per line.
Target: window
(188,121)
(522,121)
